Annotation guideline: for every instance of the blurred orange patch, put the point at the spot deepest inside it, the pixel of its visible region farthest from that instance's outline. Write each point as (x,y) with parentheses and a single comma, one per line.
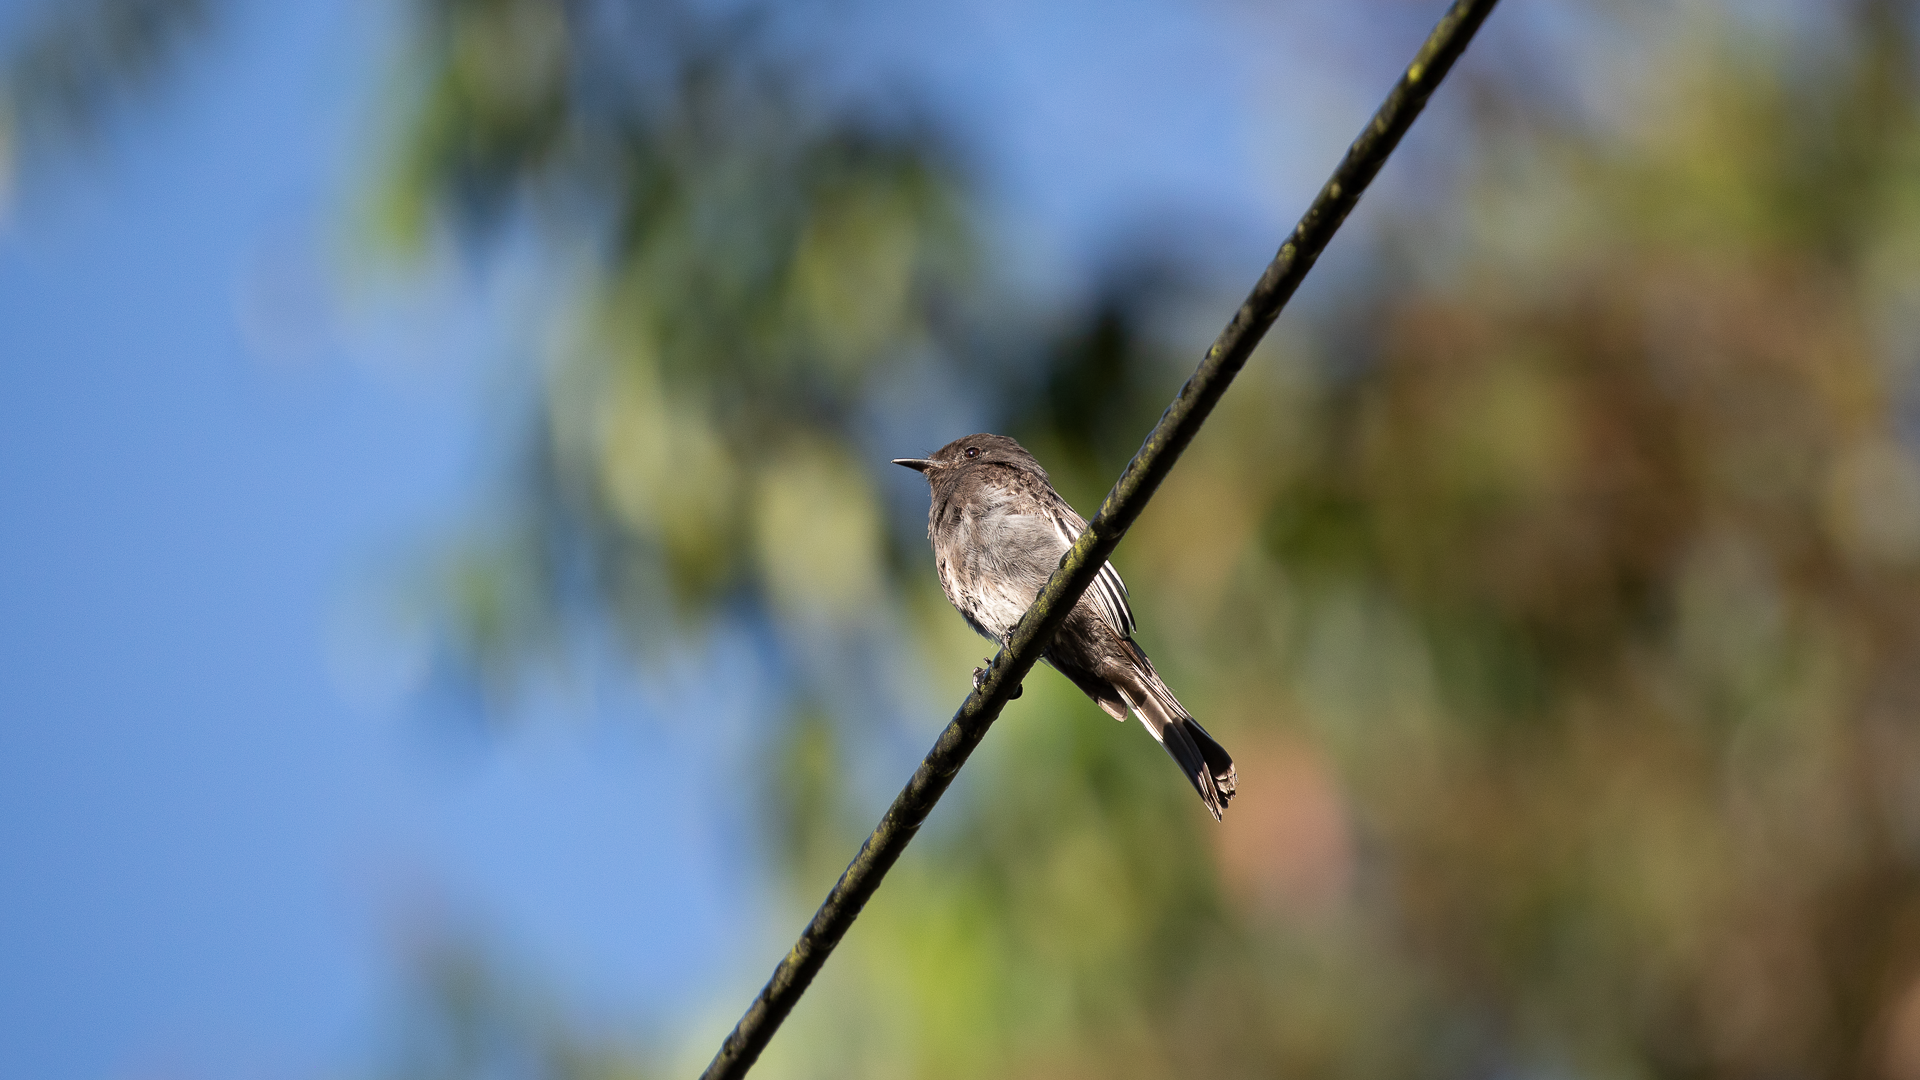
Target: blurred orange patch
(1285,847)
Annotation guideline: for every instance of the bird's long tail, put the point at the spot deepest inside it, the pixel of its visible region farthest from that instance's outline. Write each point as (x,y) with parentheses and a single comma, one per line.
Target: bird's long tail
(1207,764)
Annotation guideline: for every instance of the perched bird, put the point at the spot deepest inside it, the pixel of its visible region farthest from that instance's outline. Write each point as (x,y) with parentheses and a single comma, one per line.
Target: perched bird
(998,530)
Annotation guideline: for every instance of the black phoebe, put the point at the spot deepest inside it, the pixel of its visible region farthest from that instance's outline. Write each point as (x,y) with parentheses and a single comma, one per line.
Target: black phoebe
(998,530)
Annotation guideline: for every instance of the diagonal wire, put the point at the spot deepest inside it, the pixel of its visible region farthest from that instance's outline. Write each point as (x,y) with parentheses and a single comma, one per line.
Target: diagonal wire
(1123,504)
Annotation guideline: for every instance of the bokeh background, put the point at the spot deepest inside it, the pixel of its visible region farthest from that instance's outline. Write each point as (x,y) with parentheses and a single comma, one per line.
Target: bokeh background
(456,617)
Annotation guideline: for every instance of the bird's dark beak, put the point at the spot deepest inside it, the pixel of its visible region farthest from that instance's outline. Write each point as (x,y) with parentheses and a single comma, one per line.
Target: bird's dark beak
(917,464)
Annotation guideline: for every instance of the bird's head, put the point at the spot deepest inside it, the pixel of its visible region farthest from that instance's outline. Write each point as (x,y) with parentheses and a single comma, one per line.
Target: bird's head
(972,451)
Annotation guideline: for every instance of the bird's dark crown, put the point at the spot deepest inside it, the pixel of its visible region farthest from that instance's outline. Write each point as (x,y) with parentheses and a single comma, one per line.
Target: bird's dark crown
(971,451)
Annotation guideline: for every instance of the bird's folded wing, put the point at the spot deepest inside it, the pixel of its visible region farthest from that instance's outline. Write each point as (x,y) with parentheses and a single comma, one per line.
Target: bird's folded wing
(1108,592)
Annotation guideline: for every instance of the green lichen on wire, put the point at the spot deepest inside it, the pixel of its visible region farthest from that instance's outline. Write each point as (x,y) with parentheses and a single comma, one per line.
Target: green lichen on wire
(1118,511)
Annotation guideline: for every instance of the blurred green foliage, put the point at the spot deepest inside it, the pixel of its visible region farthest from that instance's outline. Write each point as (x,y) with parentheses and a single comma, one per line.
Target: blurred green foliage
(1559,594)
(746,256)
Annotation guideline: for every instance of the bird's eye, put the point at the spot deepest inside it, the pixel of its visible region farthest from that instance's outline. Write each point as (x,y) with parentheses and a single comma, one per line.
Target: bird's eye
(973,451)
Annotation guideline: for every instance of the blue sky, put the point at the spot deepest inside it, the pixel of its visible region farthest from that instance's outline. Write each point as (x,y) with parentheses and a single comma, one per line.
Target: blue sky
(215,835)
(221,816)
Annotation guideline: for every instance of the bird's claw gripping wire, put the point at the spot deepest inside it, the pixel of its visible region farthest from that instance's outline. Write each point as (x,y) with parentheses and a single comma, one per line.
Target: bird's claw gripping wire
(980,677)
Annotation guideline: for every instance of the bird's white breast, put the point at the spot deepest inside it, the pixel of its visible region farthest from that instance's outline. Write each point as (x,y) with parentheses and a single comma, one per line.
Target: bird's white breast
(1007,558)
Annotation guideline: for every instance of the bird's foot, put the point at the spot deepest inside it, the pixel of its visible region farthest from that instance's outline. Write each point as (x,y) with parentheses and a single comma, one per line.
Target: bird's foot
(980,676)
